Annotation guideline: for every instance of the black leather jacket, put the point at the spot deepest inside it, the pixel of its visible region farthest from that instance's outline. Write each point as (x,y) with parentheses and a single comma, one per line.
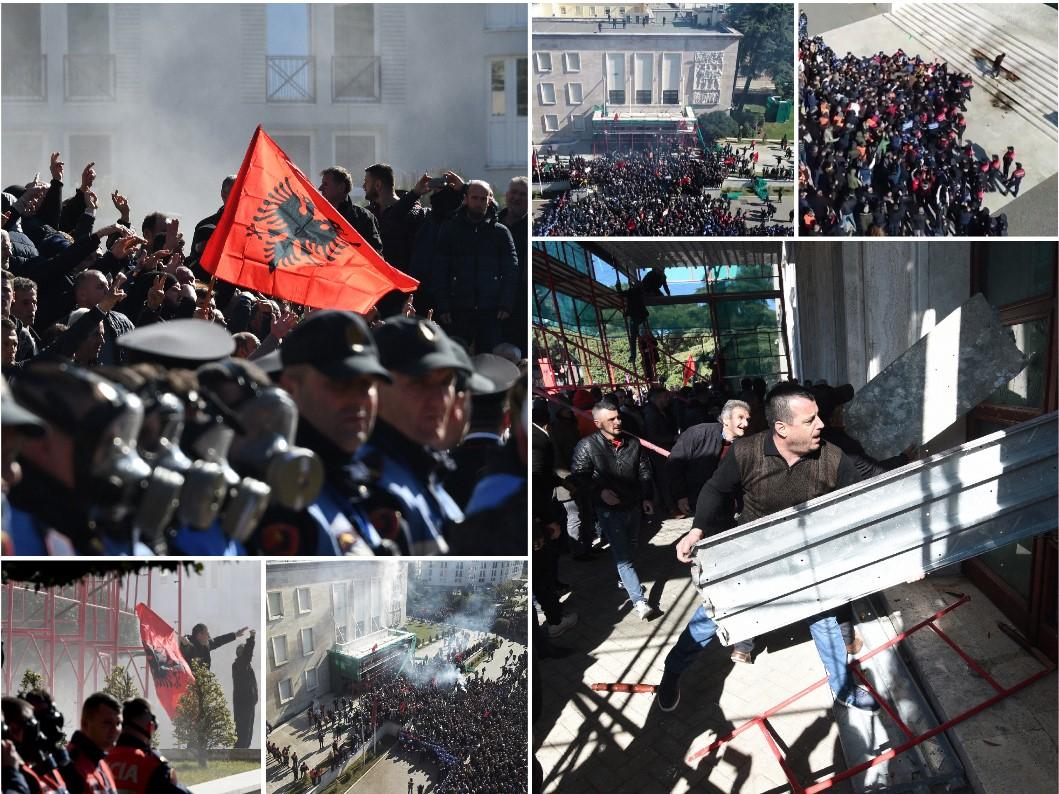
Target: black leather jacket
(598,464)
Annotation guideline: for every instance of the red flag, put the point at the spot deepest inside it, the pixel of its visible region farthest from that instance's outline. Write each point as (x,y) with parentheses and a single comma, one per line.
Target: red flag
(279,236)
(162,646)
(689,369)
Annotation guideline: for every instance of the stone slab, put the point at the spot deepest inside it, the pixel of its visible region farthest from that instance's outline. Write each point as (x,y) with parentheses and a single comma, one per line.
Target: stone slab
(965,358)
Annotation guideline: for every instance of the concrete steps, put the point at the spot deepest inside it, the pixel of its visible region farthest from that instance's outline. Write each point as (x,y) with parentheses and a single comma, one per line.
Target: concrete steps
(959,32)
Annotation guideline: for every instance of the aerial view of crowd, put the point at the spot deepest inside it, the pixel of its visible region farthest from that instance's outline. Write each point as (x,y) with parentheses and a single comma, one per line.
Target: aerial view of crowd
(661,193)
(162,412)
(883,151)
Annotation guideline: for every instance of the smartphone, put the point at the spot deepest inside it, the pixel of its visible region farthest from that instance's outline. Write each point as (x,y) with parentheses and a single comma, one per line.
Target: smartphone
(436,182)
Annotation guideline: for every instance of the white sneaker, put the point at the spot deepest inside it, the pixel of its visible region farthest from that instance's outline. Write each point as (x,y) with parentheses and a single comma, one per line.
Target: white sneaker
(643,609)
(569,621)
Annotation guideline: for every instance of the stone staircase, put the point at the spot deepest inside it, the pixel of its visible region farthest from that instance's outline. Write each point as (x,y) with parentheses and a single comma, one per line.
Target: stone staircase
(969,36)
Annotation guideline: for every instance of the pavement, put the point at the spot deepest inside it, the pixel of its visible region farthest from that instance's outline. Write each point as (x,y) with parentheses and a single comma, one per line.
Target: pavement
(1018,109)
(590,741)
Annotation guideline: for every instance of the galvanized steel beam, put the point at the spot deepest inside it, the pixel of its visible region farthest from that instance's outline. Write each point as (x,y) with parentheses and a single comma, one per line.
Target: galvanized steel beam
(894,528)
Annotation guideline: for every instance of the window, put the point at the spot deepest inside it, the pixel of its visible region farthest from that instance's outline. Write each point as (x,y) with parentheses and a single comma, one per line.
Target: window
(506,123)
(340,634)
(643,76)
(551,122)
(312,679)
(616,79)
(275,605)
(290,70)
(298,148)
(355,152)
(356,69)
(574,94)
(22,65)
(88,67)
(307,641)
(286,690)
(505,16)
(304,597)
(671,78)
(543,60)
(547,93)
(572,61)
(279,650)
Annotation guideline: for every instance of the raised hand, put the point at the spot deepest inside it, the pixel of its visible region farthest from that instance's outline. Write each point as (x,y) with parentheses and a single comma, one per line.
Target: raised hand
(121,204)
(156,294)
(283,325)
(115,296)
(56,166)
(88,176)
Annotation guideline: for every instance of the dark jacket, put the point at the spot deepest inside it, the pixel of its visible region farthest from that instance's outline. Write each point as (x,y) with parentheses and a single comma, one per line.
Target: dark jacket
(658,426)
(87,770)
(693,460)
(475,265)
(398,225)
(138,768)
(599,465)
(195,651)
(363,221)
(244,679)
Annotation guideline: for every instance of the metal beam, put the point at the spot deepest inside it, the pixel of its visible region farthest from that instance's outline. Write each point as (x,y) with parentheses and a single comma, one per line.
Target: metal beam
(894,528)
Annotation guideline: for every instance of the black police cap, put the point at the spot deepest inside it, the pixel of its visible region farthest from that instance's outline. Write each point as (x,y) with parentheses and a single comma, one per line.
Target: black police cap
(188,342)
(336,343)
(413,346)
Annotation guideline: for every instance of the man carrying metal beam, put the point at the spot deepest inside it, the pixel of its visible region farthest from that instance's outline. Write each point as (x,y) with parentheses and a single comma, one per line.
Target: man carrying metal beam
(786,465)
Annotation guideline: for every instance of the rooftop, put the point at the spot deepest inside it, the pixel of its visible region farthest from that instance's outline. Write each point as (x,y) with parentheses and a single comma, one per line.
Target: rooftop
(582,26)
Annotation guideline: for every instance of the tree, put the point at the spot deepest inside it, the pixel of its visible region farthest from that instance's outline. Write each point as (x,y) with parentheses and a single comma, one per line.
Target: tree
(203,720)
(783,78)
(119,685)
(717,124)
(768,40)
(31,680)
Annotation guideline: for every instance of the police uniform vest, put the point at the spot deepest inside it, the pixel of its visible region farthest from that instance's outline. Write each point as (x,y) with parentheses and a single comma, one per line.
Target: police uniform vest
(50,782)
(770,485)
(132,768)
(97,776)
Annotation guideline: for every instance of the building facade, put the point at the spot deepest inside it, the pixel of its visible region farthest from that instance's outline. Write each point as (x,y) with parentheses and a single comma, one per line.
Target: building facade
(470,574)
(164,98)
(590,77)
(312,607)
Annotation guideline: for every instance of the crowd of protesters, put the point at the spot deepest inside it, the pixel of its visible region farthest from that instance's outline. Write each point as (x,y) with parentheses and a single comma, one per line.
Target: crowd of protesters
(883,151)
(324,432)
(660,193)
(472,729)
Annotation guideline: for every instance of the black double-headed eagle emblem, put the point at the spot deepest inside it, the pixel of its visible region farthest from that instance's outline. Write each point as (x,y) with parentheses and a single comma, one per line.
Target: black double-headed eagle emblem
(293,232)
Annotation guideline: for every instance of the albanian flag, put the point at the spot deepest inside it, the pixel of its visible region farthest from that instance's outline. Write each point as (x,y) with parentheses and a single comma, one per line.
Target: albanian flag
(162,647)
(279,236)
(689,369)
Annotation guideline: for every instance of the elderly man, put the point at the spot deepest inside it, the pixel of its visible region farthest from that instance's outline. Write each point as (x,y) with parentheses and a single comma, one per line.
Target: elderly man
(476,271)
(788,464)
(90,288)
(611,466)
(699,450)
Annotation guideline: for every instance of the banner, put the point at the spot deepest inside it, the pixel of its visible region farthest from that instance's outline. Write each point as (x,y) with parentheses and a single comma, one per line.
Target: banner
(171,673)
(279,236)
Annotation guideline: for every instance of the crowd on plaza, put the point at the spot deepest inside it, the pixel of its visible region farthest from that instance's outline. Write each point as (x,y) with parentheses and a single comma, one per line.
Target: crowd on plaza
(192,416)
(473,729)
(660,193)
(883,151)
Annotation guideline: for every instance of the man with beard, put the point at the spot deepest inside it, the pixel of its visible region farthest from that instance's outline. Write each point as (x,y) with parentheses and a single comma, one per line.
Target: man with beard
(788,464)
(335,184)
(477,271)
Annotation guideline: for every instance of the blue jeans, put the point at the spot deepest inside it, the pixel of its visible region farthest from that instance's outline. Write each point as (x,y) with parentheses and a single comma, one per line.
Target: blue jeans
(621,527)
(824,629)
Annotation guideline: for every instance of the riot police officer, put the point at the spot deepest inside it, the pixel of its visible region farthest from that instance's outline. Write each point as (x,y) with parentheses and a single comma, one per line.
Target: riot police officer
(137,768)
(330,367)
(413,408)
(27,763)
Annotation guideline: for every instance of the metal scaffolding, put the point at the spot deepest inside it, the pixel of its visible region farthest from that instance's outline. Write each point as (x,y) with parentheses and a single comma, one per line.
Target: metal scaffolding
(82,631)
(579,299)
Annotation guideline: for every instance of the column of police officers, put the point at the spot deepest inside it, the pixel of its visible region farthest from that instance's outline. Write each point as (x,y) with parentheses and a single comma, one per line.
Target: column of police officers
(338,442)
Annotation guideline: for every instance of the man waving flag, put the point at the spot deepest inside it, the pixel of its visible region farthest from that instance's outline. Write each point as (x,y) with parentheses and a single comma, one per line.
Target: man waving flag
(279,236)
